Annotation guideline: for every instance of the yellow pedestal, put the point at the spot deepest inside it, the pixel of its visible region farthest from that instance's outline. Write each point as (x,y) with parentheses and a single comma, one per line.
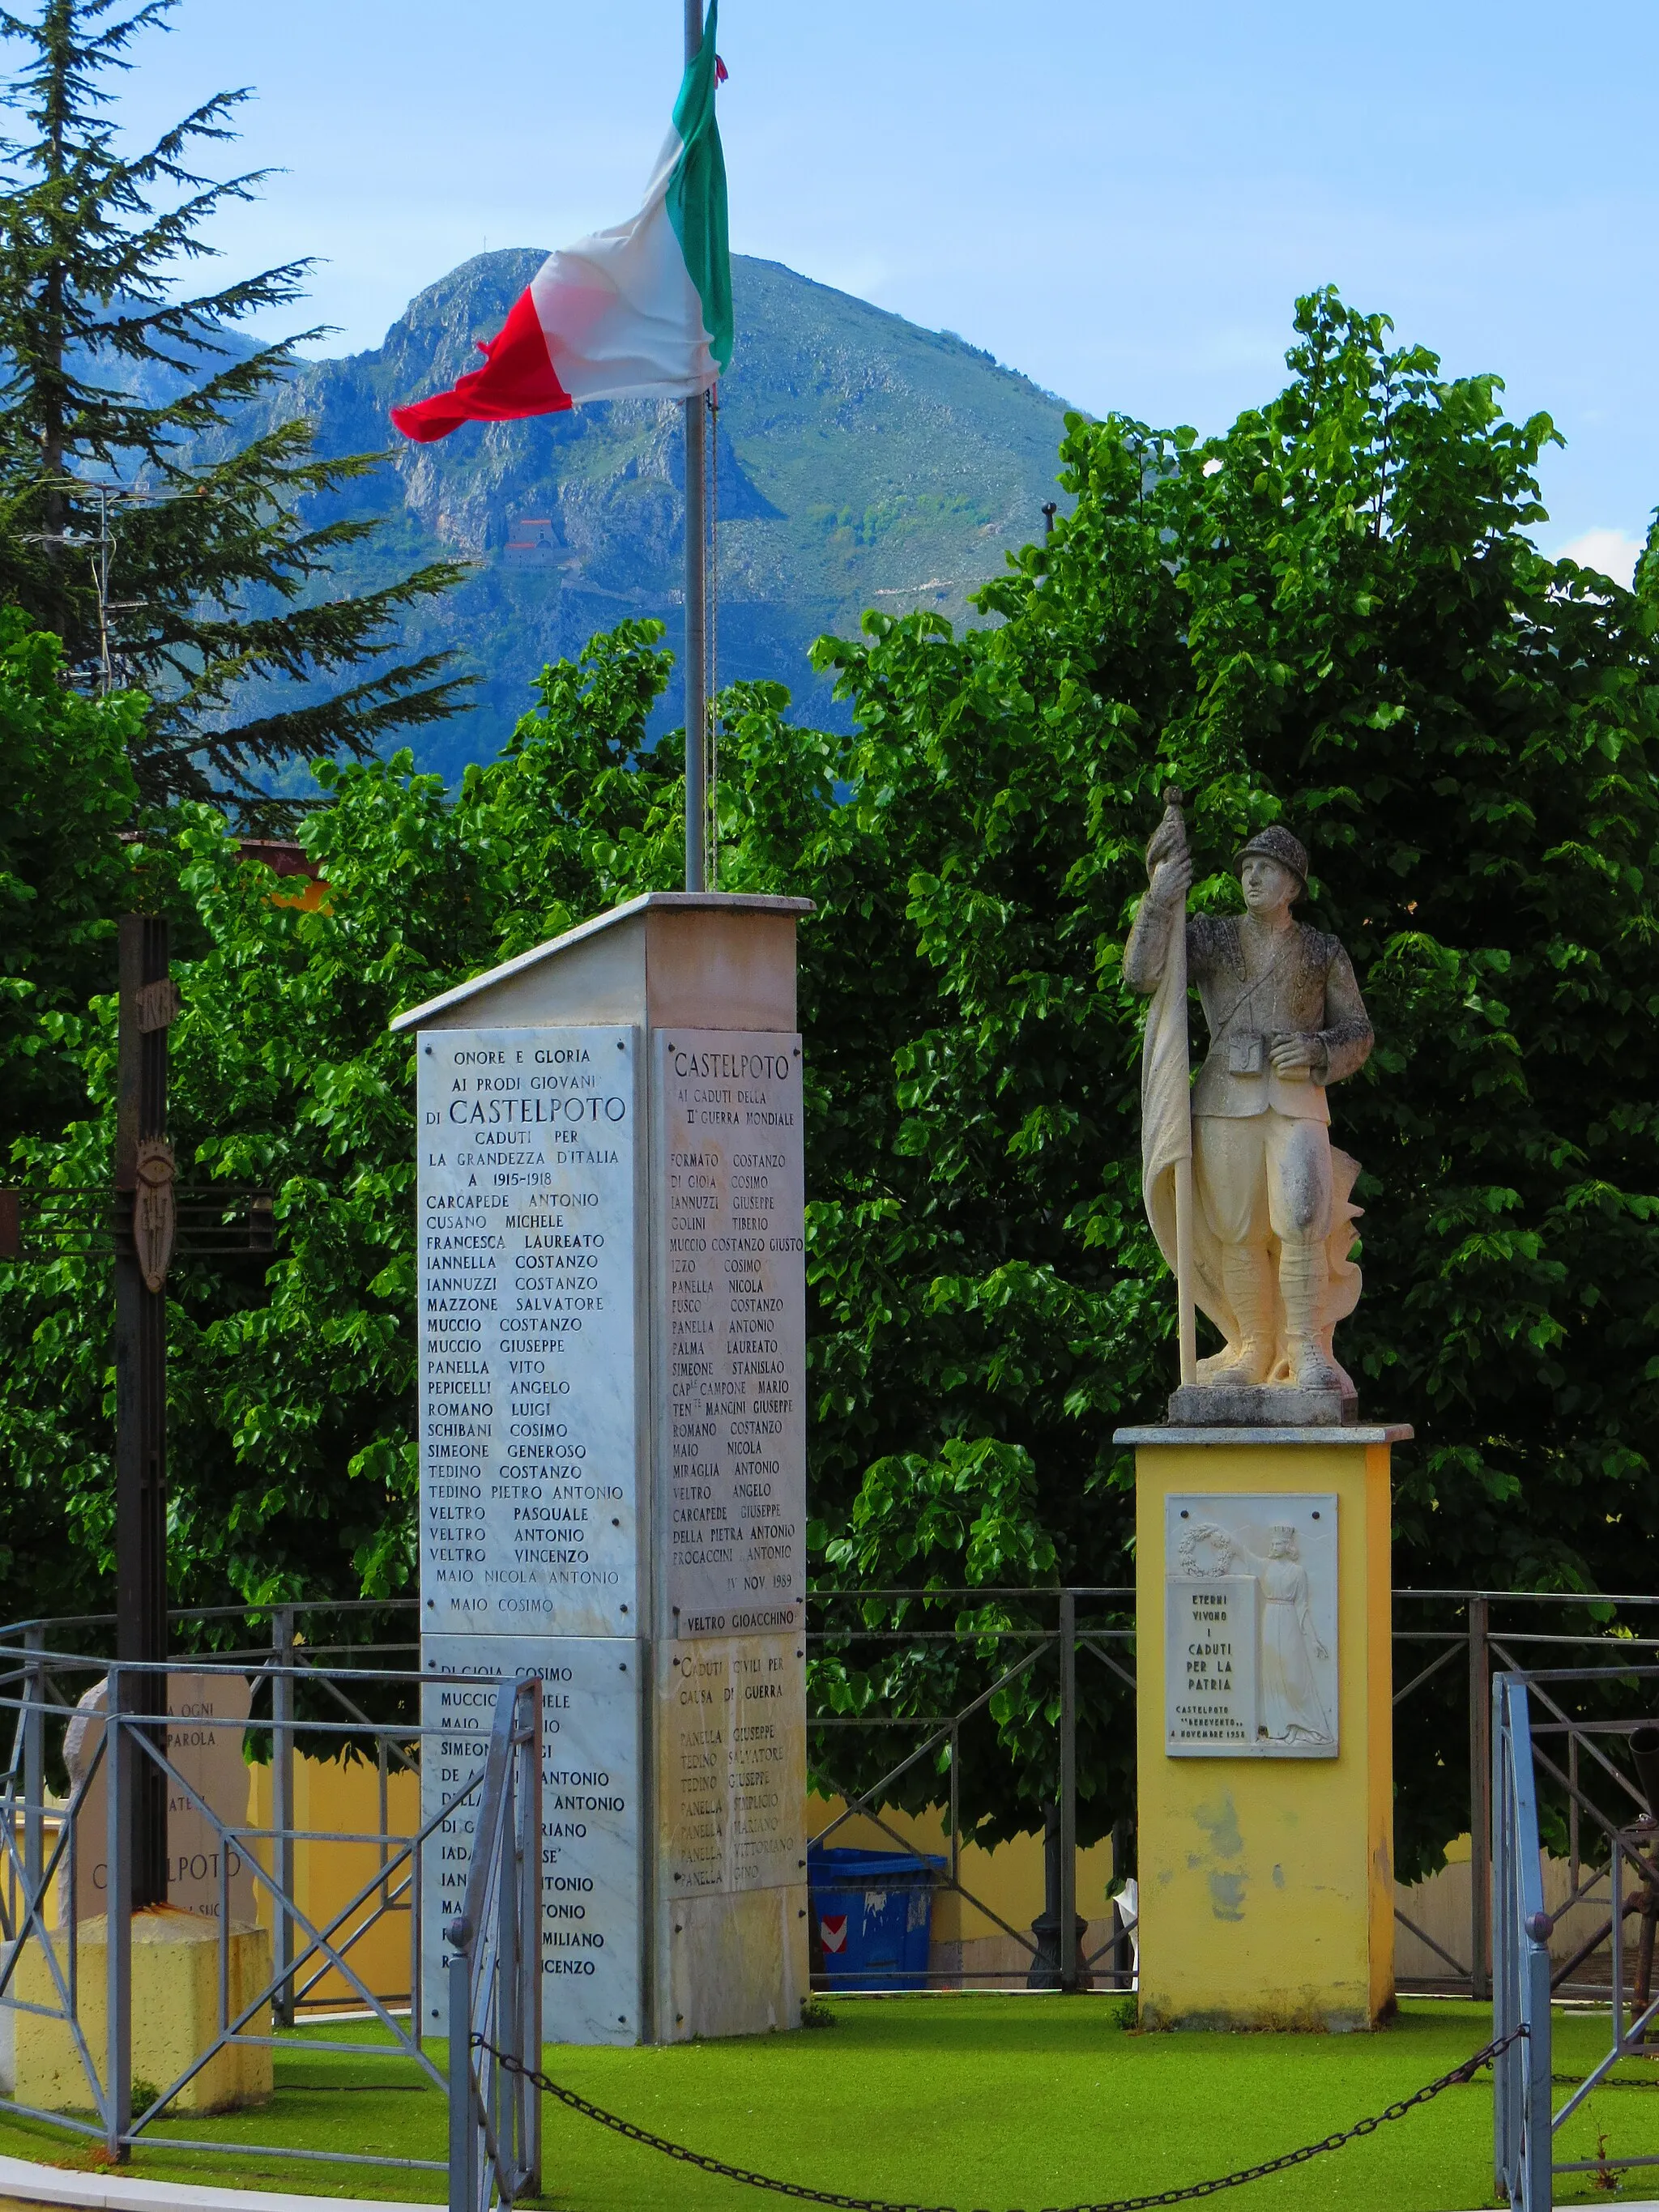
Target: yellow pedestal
(175,2013)
(1266,1883)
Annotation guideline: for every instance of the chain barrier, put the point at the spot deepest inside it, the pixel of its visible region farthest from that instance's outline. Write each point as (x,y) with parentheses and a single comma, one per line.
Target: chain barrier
(1459,2076)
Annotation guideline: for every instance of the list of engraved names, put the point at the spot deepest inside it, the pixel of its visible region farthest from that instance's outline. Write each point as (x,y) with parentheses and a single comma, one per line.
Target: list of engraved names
(526,1285)
(732,1393)
(590,1819)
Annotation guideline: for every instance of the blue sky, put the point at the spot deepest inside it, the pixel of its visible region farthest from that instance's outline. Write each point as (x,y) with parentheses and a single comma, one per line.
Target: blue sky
(1121,201)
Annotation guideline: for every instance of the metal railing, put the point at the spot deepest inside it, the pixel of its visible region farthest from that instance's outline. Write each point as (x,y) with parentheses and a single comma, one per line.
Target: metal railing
(57,1859)
(494,1972)
(1522,2133)
(907,1684)
(1552,1752)
(1017,1657)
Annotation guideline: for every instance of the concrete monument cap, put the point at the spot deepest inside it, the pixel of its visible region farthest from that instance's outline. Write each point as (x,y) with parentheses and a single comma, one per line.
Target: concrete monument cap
(704,959)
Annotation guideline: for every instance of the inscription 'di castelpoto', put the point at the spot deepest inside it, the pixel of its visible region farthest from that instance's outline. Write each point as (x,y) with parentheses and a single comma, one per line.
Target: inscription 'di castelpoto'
(528,1296)
(732,1415)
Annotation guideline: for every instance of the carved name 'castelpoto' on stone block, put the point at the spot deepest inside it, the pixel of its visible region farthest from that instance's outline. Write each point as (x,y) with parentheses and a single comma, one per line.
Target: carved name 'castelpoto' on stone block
(204,1873)
(590,1835)
(529,1481)
(1250,1624)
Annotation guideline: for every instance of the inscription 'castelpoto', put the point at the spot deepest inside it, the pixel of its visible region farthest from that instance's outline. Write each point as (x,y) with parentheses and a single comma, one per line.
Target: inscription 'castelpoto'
(731,1412)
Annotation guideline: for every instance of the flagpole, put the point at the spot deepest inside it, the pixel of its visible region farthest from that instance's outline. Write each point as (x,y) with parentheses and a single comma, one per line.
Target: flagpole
(696,524)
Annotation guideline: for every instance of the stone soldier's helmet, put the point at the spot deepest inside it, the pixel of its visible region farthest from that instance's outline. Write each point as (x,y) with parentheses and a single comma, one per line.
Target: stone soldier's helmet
(1275,843)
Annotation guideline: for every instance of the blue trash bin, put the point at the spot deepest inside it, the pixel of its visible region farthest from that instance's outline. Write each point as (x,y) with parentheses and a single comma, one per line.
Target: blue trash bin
(872,1916)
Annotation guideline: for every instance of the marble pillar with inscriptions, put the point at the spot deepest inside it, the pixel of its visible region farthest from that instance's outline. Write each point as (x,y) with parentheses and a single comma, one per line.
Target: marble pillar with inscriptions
(613,1451)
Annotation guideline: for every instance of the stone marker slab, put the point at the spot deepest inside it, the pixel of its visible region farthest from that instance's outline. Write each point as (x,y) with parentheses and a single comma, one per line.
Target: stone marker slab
(732,1763)
(201,1867)
(732,1286)
(1250,1624)
(529,1290)
(592,1838)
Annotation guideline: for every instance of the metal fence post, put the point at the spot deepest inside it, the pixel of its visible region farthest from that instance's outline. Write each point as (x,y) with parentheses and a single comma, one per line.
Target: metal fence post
(1479,1804)
(282,1808)
(1506,1995)
(1067,1950)
(463,2117)
(118,1794)
(34,1761)
(530,1933)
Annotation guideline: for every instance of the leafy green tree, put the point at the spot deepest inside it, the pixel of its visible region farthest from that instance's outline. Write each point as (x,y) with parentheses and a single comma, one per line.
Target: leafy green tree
(67,794)
(1329,614)
(175,575)
(291,1450)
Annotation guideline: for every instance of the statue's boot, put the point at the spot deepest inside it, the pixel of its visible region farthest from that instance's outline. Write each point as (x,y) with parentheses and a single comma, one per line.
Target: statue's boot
(1248,1281)
(1303,1277)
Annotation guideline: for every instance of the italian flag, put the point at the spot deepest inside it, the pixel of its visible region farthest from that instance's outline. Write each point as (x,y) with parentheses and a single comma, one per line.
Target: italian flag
(642,310)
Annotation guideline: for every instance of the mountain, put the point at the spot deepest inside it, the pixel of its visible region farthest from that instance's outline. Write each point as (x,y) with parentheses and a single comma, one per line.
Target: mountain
(862,462)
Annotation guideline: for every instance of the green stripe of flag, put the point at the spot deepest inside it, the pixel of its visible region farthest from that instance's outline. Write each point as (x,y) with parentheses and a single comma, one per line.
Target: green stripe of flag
(697,195)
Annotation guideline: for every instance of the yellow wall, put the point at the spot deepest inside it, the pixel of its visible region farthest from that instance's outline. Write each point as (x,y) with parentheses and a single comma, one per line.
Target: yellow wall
(343,1797)
(1267,1891)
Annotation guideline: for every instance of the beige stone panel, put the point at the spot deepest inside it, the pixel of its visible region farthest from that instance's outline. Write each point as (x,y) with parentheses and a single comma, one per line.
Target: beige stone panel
(738,1965)
(731,1764)
(208,1757)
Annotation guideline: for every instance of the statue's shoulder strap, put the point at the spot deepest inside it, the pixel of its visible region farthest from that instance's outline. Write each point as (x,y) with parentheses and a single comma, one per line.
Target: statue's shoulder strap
(1215,940)
(1318,948)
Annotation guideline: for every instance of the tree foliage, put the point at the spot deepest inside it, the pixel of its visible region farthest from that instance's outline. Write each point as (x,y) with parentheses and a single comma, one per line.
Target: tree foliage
(168,553)
(66,796)
(1330,614)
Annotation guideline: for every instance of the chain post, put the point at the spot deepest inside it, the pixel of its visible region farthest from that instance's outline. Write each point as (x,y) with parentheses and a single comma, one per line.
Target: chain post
(509,2012)
(1067,1950)
(463,2114)
(282,1808)
(1479,1803)
(119,1796)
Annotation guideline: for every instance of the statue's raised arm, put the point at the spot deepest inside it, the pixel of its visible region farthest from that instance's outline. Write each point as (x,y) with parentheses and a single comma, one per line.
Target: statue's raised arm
(1272,1223)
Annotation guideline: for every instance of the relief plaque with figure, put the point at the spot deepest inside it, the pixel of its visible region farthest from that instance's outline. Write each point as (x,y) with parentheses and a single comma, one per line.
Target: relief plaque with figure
(1250,1625)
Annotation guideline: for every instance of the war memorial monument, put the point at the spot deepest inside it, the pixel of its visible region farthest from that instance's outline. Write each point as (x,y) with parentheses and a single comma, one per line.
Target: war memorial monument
(612,1299)
(613,1462)
(1262,1504)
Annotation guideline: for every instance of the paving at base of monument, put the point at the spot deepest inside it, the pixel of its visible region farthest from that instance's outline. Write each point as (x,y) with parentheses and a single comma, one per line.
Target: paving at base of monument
(970,2100)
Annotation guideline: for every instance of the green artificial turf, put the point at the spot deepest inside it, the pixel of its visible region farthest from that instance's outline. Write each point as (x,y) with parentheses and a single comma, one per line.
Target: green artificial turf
(993,2101)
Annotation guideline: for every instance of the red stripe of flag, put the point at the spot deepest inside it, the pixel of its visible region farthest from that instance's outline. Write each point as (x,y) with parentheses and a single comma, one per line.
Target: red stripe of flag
(517,380)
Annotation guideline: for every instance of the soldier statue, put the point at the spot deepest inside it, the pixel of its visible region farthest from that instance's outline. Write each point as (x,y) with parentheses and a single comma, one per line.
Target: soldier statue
(1272,1220)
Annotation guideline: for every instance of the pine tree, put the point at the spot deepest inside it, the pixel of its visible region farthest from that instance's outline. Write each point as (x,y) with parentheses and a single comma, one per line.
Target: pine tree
(167,552)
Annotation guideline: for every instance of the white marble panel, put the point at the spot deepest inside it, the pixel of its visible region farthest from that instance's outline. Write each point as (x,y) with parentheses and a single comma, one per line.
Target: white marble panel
(730,1285)
(1250,1624)
(529,1290)
(591,1835)
(730,1763)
